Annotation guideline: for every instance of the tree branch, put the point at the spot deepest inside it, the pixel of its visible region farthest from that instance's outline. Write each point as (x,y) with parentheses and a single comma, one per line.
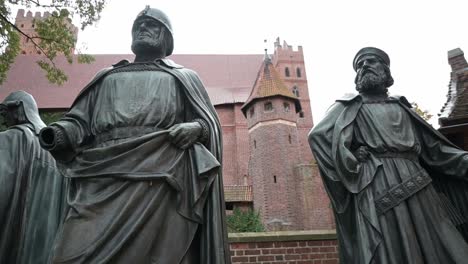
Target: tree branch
(27,36)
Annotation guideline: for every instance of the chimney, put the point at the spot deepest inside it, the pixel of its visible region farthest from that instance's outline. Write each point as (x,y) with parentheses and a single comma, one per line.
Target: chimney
(456,59)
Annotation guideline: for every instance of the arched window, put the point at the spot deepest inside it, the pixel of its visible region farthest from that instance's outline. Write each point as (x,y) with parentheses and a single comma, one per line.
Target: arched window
(298,72)
(286,72)
(295,91)
(268,106)
(286,107)
(274,178)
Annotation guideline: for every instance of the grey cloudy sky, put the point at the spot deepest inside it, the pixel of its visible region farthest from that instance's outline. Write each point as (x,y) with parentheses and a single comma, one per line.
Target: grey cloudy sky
(416,34)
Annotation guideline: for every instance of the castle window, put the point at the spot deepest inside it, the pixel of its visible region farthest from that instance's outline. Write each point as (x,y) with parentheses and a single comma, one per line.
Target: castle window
(32,25)
(229,206)
(286,107)
(39,52)
(295,91)
(290,139)
(22,25)
(255,143)
(298,72)
(252,111)
(268,106)
(274,179)
(286,72)
(301,114)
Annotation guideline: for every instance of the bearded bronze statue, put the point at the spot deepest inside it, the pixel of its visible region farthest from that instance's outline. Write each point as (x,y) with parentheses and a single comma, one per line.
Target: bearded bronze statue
(142,147)
(382,165)
(32,190)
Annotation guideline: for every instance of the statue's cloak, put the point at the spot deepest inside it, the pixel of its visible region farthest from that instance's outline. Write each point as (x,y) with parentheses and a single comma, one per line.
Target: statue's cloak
(139,162)
(32,197)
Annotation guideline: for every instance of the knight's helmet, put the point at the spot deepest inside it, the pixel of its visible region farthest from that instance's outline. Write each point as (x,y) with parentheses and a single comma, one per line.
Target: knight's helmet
(25,101)
(161,17)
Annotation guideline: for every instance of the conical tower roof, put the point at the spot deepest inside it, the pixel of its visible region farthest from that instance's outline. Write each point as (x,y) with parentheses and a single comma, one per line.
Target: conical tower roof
(269,84)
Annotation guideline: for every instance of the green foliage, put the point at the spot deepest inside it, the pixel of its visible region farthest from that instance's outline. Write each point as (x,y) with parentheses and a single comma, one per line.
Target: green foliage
(244,221)
(50,117)
(422,113)
(9,42)
(47,117)
(53,36)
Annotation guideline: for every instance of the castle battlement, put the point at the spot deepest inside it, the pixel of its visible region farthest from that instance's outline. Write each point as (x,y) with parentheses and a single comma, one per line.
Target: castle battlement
(29,15)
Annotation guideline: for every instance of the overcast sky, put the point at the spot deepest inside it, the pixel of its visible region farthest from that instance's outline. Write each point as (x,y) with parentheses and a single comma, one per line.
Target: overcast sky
(416,35)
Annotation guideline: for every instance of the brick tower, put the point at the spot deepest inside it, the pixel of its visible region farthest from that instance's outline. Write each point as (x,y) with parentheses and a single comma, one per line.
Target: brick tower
(26,22)
(271,112)
(291,67)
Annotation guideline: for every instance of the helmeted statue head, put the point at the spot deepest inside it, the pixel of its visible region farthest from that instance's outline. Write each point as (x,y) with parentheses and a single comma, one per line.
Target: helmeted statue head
(152,32)
(19,108)
(372,66)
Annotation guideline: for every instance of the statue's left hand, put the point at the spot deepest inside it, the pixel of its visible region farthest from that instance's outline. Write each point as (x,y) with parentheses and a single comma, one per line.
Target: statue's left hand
(185,135)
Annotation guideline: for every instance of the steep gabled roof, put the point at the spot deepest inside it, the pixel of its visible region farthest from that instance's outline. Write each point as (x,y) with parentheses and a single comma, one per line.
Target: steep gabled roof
(227,78)
(269,84)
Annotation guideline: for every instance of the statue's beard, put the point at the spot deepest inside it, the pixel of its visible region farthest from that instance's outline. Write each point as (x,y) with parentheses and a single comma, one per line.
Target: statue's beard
(371,82)
(143,47)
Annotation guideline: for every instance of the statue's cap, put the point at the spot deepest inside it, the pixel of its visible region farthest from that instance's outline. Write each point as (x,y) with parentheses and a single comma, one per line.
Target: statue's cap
(157,15)
(371,51)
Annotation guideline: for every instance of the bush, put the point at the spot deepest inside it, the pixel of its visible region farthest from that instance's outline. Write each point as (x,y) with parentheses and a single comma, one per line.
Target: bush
(244,221)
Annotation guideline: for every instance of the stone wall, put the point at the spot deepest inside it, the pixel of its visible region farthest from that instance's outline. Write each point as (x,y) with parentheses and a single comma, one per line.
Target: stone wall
(285,247)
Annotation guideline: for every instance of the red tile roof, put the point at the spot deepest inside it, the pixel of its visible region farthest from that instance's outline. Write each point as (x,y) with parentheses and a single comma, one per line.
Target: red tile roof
(268,84)
(228,78)
(238,193)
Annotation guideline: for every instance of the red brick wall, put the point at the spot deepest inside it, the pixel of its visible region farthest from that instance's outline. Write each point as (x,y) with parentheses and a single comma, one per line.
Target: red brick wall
(314,210)
(304,250)
(236,151)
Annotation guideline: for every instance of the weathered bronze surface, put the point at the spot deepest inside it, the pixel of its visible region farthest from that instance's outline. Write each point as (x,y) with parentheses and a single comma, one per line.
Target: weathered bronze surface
(142,146)
(380,163)
(32,190)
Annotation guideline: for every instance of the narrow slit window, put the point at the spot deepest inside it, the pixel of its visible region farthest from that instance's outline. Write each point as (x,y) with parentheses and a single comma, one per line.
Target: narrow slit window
(274,179)
(295,91)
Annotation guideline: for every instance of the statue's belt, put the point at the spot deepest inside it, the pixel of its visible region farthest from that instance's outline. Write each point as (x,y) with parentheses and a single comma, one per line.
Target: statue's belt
(399,193)
(124,132)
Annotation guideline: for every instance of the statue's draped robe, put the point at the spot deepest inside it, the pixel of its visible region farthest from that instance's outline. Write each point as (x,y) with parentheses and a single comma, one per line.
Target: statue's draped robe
(32,198)
(417,230)
(135,197)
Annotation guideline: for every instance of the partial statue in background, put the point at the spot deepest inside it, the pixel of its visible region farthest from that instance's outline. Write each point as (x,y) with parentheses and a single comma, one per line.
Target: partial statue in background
(142,146)
(32,191)
(379,161)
